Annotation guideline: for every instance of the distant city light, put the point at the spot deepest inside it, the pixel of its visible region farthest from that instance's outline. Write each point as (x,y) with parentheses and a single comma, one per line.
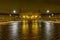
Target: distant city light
(23,16)
(27,16)
(52,14)
(14,11)
(49,16)
(32,17)
(39,16)
(10,14)
(36,16)
(47,11)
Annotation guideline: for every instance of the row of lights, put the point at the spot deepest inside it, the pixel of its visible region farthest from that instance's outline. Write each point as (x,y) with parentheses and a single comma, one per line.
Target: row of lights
(47,11)
(32,17)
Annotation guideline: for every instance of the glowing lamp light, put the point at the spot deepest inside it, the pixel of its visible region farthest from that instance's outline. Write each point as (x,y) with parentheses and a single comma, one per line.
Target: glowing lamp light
(39,16)
(52,14)
(27,16)
(36,16)
(23,16)
(14,11)
(9,14)
(47,11)
(32,17)
(49,16)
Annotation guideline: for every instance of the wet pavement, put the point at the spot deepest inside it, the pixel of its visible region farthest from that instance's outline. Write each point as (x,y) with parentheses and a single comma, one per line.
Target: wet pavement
(30,30)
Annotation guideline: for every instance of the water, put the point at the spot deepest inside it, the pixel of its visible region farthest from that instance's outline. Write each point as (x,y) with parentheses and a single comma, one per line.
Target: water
(30,30)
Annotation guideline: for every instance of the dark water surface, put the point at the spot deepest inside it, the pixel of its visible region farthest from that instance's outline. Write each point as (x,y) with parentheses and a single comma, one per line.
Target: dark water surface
(30,30)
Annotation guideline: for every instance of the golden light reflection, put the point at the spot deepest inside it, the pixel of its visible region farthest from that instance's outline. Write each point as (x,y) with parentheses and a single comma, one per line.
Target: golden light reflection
(25,28)
(35,28)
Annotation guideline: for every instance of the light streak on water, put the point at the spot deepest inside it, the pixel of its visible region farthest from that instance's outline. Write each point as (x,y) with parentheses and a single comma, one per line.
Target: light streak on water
(49,27)
(14,30)
(30,30)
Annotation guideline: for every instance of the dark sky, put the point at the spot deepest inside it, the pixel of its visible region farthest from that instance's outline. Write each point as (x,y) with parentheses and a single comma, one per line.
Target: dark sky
(7,6)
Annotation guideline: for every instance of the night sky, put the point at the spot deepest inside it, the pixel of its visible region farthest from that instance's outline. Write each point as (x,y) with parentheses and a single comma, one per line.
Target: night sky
(7,6)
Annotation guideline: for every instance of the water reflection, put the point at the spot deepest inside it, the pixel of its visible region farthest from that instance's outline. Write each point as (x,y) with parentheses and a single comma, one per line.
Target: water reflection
(14,31)
(28,30)
(35,29)
(25,29)
(48,30)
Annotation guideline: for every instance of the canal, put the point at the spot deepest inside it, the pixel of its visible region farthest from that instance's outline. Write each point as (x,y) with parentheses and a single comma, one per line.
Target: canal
(29,30)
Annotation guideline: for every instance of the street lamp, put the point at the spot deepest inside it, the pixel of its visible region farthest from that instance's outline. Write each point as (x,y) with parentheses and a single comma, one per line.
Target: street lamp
(14,12)
(47,11)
